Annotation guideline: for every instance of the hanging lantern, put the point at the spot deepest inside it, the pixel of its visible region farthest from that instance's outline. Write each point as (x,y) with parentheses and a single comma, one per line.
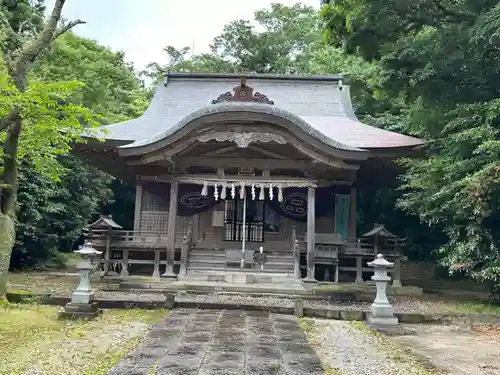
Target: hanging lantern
(204,190)
(280,194)
(216,192)
(261,193)
(253,192)
(233,190)
(223,191)
(271,193)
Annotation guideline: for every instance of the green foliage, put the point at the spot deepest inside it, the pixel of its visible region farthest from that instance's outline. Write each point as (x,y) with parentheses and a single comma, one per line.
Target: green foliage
(111,88)
(280,42)
(440,62)
(51,122)
(48,219)
(75,86)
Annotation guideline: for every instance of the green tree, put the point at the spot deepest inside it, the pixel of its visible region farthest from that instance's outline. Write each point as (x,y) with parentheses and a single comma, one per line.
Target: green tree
(48,220)
(37,120)
(280,43)
(440,60)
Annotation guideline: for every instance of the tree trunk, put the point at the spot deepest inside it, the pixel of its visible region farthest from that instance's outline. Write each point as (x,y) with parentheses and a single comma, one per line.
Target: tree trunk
(8,197)
(18,66)
(7,238)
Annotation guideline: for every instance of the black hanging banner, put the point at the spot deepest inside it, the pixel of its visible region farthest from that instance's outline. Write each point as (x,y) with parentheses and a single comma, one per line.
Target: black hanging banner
(191,201)
(293,206)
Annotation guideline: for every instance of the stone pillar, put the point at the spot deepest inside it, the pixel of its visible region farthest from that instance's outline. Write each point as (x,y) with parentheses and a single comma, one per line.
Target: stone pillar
(311,233)
(359,270)
(156,269)
(184,256)
(396,274)
(352,214)
(296,259)
(172,216)
(381,315)
(124,271)
(298,308)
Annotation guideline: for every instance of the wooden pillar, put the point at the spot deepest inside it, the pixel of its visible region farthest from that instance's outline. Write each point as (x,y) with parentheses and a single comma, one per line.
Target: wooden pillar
(352,215)
(311,233)
(107,253)
(172,216)
(137,208)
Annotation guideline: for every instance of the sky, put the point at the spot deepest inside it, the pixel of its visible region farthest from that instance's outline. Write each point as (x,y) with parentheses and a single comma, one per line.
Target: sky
(142,28)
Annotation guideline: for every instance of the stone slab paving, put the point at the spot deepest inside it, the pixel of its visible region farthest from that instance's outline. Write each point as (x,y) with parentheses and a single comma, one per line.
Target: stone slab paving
(223,342)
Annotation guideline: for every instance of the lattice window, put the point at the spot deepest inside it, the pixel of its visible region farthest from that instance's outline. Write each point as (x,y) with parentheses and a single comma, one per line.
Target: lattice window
(233,221)
(154,222)
(154,202)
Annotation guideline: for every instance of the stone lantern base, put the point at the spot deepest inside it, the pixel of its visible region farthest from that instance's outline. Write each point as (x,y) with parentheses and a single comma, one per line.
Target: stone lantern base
(80,311)
(385,324)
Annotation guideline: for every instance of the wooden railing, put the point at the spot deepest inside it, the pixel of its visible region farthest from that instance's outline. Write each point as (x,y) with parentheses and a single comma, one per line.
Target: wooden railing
(129,238)
(352,246)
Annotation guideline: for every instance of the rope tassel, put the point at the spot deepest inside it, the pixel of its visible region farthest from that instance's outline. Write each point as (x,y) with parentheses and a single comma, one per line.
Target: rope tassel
(233,191)
(242,191)
(280,194)
(204,190)
(261,193)
(216,192)
(223,191)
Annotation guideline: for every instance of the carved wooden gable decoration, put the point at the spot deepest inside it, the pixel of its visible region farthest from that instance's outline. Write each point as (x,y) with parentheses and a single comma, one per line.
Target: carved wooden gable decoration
(243,93)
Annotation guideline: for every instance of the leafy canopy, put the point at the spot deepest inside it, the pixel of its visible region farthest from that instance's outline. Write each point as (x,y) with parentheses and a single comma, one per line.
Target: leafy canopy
(440,62)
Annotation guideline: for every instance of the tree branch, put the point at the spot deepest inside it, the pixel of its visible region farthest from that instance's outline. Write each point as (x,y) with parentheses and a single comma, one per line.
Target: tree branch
(461,16)
(30,52)
(5,23)
(8,62)
(66,28)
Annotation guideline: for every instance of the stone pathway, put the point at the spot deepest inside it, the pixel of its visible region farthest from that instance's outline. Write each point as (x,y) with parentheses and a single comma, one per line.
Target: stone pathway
(222,342)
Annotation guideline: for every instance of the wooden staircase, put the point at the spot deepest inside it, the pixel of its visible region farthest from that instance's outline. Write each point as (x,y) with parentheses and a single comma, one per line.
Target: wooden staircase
(202,260)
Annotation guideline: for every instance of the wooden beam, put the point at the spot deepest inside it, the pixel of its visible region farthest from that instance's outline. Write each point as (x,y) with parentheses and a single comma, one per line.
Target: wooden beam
(138,207)
(220,150)
(267,152)
(242,162)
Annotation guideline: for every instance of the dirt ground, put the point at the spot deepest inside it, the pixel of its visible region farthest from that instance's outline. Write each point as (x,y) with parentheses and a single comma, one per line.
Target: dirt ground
(456,350)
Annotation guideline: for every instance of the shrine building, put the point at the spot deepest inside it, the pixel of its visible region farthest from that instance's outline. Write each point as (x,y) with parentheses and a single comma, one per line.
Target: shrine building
(246,174)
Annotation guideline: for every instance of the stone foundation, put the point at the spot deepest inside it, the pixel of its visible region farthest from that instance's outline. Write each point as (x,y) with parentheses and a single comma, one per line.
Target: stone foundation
(80,311)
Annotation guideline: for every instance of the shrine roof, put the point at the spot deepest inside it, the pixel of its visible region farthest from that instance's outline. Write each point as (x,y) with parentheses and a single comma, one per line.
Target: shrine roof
(319,105)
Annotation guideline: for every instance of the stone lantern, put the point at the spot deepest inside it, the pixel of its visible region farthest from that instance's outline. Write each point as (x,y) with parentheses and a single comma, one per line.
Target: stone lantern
(381,315)
(82,299)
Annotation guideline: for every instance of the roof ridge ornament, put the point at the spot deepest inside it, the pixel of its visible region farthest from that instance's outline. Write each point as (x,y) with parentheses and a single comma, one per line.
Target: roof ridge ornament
(243,93)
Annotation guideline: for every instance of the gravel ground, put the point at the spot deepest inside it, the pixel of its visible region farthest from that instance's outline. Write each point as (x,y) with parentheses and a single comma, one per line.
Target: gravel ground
(401,304)
(121,296)
(353,352)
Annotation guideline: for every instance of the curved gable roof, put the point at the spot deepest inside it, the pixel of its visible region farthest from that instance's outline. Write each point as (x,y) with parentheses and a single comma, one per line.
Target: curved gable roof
(319,106)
